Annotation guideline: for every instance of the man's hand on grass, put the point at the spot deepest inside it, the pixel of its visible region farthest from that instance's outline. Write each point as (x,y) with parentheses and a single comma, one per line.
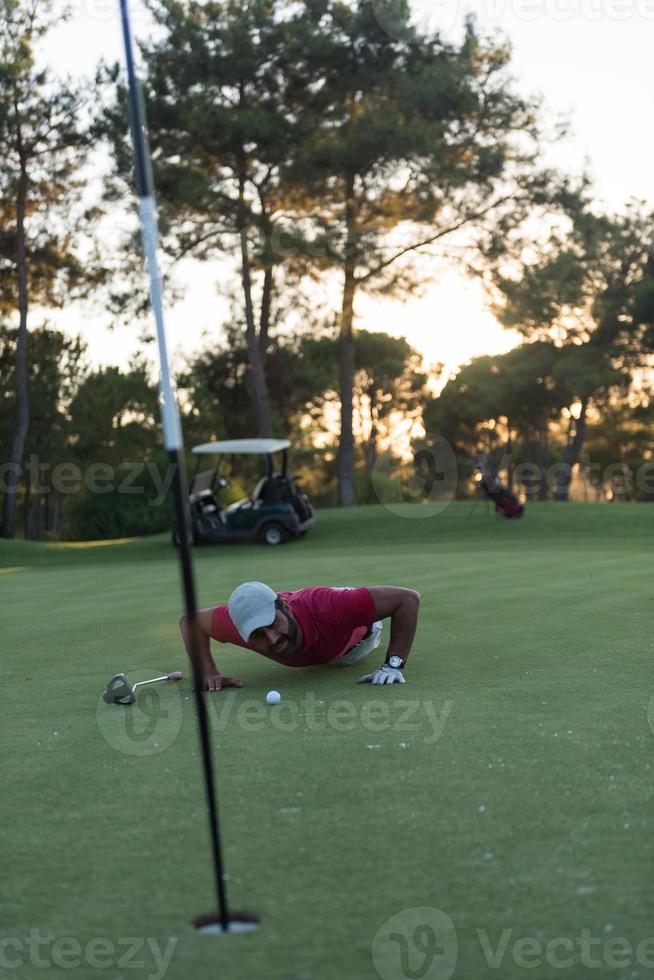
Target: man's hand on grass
(216,682)
(383,675)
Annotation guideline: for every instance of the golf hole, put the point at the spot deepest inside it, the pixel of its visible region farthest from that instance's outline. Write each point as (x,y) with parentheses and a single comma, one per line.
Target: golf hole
(239,922)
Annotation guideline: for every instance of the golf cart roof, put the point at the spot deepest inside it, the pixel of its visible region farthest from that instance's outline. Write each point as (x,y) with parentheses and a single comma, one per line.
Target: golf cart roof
(261,447)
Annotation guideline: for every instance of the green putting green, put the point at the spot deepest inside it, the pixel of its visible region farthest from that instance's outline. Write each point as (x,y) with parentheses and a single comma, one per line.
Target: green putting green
(507,784)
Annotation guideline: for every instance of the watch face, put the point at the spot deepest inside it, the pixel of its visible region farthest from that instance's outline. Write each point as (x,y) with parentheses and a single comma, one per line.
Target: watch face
(395,662)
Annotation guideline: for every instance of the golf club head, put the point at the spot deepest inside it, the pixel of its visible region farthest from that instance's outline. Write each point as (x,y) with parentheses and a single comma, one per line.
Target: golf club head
(118,691)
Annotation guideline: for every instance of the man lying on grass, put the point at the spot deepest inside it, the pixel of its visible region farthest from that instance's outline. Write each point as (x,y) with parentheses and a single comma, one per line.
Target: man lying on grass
(312,626)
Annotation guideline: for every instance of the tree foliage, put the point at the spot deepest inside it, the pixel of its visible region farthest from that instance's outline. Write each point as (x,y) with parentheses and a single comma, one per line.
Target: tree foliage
(42,147)
(418,144)
(306,140)
(225,120)
(588,288)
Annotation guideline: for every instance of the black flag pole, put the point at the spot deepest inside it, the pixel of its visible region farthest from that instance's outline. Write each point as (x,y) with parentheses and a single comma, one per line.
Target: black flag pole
(173,442)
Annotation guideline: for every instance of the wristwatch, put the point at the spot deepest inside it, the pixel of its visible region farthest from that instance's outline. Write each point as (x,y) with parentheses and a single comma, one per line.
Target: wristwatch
(396,662)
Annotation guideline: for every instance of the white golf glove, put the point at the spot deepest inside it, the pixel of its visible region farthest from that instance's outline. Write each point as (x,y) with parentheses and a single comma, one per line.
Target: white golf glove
(383,675)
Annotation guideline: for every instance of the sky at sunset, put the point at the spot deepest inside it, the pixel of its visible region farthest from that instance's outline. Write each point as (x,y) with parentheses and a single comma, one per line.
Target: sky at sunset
(590,59)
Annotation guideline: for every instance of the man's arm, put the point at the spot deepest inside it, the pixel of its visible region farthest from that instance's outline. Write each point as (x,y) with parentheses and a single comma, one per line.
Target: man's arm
(213,680)
(402,606)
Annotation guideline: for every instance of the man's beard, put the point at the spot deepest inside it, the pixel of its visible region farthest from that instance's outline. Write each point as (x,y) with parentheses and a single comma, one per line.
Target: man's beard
(290,637)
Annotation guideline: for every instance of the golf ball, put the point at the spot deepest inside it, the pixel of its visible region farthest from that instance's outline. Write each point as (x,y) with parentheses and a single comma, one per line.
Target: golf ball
(273,697)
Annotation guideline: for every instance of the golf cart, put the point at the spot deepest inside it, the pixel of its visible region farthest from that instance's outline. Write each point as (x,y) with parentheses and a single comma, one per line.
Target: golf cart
(274,512)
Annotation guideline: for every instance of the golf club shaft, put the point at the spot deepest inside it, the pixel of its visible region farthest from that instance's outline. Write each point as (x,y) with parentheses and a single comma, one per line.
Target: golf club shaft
(175,676)
(172,440)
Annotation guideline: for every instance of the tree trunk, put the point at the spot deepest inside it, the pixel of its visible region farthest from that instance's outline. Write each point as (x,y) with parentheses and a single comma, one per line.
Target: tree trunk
(35,516)
(543,458)
(27,503)
(370,448)
(55,525)
(576,436)
(370,453)
(264,318)
(346,485)
(22,396)
(256,379)
(41,506)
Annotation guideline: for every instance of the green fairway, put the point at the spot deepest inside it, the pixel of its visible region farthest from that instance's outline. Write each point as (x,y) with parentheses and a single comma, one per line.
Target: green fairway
(507,784)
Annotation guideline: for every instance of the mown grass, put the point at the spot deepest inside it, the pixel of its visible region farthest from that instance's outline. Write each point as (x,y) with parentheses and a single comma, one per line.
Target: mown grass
(507,784)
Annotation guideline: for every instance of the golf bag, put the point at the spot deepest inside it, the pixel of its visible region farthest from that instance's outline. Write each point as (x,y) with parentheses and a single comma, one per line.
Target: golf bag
(506,504)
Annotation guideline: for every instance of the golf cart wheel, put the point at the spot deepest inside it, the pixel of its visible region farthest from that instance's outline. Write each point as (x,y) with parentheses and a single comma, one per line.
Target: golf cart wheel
(274,534)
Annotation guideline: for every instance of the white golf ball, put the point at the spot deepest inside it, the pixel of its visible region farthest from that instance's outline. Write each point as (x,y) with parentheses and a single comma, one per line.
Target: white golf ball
(273,697)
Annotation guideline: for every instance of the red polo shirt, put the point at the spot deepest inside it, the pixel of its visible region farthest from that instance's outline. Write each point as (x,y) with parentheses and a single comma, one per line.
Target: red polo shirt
(332,621)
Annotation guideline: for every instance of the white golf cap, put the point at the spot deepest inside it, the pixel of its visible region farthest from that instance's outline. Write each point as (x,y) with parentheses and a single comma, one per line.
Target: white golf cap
(251,606)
